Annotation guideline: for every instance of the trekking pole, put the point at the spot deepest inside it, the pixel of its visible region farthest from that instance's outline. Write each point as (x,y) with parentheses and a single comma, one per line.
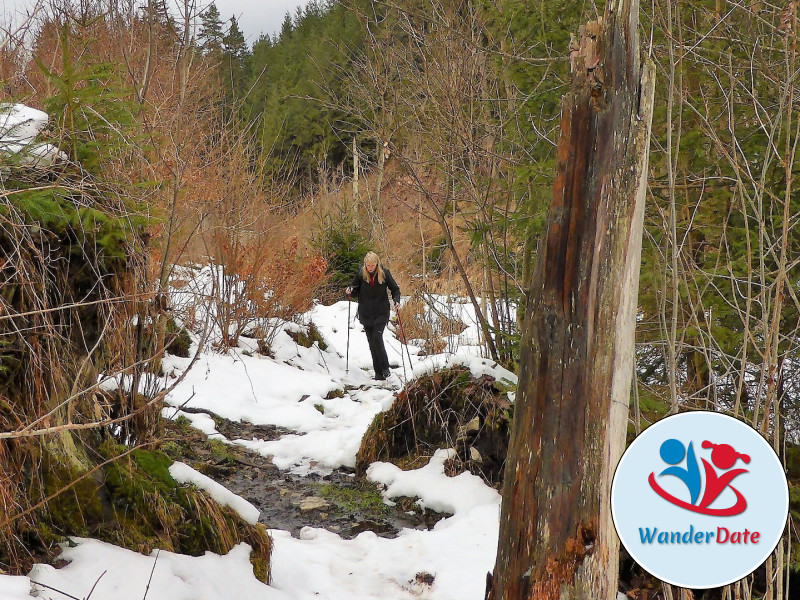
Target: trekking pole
(347,360)
(404,341)
(403,360)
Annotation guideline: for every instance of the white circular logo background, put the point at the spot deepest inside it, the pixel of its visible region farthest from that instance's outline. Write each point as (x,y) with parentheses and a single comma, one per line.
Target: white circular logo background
(699,499)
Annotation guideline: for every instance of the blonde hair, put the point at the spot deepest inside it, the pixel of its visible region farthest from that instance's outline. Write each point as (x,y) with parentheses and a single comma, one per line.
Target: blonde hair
(378,269)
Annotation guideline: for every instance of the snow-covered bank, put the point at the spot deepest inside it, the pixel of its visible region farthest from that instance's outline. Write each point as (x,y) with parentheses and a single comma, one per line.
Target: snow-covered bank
(124,575)
(327,401)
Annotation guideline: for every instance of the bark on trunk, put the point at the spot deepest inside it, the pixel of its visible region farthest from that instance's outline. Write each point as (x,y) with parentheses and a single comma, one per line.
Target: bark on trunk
(556,535)
(355,173)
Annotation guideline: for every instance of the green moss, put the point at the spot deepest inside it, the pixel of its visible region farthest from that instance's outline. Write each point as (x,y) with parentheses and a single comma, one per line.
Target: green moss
(334,394)
(172,449)
(178,340)
(156,512)
(220,451)
(307,338)
(74,511)
(365,498)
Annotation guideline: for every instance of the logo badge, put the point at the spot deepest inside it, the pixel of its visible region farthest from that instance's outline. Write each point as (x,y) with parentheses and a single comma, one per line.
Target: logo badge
(699,499)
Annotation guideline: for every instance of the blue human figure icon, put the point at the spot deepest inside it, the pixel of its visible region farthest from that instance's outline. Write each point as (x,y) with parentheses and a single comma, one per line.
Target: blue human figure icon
(672,452)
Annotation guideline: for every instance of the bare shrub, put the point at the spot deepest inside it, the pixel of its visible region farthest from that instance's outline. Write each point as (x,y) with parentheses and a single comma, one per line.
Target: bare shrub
(421,320)
(260,290)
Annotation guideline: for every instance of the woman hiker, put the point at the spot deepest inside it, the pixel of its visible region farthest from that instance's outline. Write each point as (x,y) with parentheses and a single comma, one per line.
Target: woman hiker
(369,286)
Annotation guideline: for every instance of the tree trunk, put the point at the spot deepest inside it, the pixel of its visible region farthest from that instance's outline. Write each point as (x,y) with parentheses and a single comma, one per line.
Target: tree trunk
(557,540)
(355,173)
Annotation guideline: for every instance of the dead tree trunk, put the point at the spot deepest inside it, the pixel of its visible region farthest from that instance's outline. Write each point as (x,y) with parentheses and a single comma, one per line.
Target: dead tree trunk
(557,540)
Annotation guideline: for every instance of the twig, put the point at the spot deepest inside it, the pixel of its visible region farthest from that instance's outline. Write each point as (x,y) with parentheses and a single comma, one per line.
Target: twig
(324,362)
(42,311)
(155,562)
(179,408)
(44,585)
(95,585)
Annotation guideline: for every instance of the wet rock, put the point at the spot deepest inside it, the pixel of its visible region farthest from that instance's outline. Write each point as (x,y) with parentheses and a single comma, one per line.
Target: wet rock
(474,455)
(470,429)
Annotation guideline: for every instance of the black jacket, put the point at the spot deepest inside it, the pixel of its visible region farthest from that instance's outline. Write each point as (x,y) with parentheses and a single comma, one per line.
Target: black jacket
(373,303)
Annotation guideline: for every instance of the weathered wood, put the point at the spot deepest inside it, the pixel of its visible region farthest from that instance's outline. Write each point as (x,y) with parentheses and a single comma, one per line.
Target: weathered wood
(556,535)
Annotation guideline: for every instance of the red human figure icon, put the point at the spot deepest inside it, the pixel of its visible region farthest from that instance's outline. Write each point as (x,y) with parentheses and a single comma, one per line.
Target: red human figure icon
(724,457)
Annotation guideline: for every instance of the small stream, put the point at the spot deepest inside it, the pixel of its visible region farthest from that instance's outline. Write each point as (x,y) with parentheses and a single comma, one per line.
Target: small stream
(339,502)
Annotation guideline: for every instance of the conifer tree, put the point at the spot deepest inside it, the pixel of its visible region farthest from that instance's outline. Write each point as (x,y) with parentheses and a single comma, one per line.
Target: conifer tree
(161,14)
(237,57)
(211,34)
(286,28)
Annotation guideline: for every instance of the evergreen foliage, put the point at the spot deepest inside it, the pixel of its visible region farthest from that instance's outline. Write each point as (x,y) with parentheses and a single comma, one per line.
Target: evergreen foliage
(294,78)
(236,61)
(342,244)
(211,35)
(89,105)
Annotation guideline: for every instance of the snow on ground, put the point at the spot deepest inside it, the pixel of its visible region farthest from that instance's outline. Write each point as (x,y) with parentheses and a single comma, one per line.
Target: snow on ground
(183,473)
(200,421)
(458,552)
(124,575)
(290,391)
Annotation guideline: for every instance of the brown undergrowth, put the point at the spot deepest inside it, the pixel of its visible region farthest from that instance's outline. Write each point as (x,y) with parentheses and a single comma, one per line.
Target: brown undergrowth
(422,321)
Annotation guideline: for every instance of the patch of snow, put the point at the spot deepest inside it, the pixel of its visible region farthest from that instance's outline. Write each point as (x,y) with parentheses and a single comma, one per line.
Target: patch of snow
(123,575)
(20,124)
(458,552)
(200,421)
(290,391)
(435,490)
(183,473)
(14,588)
(287,390)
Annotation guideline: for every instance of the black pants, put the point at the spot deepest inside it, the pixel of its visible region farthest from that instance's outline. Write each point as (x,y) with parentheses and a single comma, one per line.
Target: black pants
(380,362)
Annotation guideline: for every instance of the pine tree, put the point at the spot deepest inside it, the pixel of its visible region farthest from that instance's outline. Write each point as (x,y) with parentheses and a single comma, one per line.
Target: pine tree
(211,35)
(286,28)
(234,42)
(236,61)
(160,13)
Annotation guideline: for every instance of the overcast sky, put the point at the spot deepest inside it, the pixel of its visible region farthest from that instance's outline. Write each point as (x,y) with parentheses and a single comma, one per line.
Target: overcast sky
(254,16)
